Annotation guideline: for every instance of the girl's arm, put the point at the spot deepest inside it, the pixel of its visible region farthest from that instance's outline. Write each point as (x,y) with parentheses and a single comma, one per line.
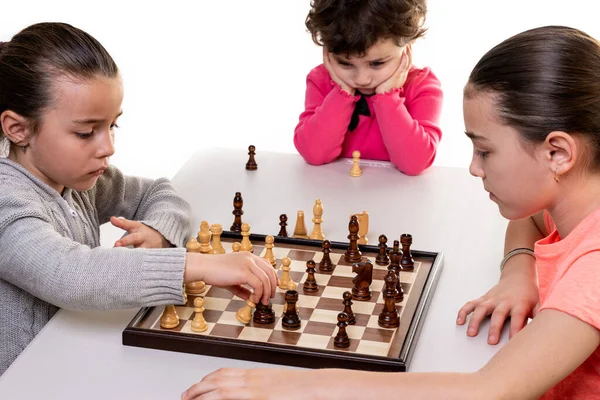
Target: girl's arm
(320,134)
(540,356)
(155,203)
(408,119)
(516,294)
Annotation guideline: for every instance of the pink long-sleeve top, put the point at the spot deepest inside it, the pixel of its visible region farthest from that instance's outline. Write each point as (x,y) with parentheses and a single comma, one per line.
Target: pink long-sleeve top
(402,128)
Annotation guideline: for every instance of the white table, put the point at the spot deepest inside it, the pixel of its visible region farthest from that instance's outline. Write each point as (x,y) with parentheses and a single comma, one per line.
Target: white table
(79,354)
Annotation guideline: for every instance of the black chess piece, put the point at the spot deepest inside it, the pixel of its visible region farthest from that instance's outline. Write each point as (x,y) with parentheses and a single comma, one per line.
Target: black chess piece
(348,308)
(264,314)
(283,223)
(407,262)
(395,256)
(251,164)
(342,340)
(238,203)
(389,318)
(310,285)
(290,319)
(399,290)
(382,257)
(326,265)
(361,290)
(353,254)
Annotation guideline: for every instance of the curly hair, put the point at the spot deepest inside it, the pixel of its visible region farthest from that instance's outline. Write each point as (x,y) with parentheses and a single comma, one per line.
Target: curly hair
(353,26)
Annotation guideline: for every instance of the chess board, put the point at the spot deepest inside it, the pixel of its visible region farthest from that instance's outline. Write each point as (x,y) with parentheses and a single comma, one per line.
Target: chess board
(371,347)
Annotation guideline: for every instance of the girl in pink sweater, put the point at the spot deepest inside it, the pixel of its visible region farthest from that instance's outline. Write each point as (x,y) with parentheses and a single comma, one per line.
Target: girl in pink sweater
(367,95)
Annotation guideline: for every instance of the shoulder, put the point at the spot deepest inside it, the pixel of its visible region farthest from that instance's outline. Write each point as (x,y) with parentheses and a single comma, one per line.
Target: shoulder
(422,79)
(320,77)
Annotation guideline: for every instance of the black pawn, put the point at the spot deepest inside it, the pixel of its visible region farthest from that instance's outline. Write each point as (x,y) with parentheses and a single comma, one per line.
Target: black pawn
(310,285)
(382,258)
(251,164)
(348,309)
(399,290)
(291,319)
(342,340)
(389,318)
(407,262)
(353,254)
(238,203)
(264,314)
(326,265)
(395,256)
(282,224)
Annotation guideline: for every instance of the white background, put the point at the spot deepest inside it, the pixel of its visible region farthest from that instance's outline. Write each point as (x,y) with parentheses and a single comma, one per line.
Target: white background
(202,74)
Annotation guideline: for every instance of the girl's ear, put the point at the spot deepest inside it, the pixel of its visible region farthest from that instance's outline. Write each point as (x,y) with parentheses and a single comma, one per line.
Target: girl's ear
(562,151)
(15,127)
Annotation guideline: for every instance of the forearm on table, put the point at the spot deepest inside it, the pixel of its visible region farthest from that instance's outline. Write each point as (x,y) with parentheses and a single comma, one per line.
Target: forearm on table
(522,233)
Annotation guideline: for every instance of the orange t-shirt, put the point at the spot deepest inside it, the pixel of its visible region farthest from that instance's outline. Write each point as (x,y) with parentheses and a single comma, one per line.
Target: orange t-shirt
(569,281)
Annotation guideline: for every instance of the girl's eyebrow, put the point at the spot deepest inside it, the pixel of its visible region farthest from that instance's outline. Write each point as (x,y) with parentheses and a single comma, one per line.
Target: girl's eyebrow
(94,120)
(475,137)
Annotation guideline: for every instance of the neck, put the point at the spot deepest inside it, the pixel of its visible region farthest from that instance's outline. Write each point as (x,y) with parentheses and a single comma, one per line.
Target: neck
(580,197)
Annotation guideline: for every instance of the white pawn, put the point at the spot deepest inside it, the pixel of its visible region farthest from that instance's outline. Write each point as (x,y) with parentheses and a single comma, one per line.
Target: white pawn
(246,244)
(217,246)
(269,256)
(355,170)
(244,314)
(363,227)
(169,318)
(285,281)
(199,323)
(236,246)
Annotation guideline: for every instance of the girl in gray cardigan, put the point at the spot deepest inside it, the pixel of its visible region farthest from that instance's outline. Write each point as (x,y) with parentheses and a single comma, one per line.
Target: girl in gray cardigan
(60,97)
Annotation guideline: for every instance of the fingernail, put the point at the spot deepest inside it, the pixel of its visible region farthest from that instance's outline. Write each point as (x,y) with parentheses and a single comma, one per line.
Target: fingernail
(492,339)
(471,331)
(183,394)
(458,320)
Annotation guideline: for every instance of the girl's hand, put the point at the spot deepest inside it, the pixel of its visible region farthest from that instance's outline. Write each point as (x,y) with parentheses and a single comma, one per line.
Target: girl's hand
(235,272)
(334,77)
(398,79)
(516,295)
(139,235)
(263,384)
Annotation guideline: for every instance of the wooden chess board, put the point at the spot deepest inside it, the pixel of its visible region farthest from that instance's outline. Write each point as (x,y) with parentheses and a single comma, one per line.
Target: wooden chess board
(371,347)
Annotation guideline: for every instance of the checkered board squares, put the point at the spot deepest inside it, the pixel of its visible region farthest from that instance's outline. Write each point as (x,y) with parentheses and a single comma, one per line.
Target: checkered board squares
(371,347)
(318,312)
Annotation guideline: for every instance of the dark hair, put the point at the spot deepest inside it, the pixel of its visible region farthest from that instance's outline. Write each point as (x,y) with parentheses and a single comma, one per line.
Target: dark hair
(37,56)
(543,80)
(352,26)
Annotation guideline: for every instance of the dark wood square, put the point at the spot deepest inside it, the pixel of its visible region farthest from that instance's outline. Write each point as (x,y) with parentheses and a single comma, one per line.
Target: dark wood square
(378,335)
(285,337)
(300,255)
(352,348)
(218,292)
(319,328)
(230,331)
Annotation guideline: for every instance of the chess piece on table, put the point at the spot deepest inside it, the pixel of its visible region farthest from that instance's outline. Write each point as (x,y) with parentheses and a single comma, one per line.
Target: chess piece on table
(269,250)
(204,238)
(348,308)
(399,290)
(363,227)
(361,290)
(291,320)
(169,318)
(353,254)
(317,232)
(355,170)
(197,287)
(244,314)
(246,244)
(326,265)
(342,340)
(264,314)
(238,203)
(236,247)
(382,257)
(389,318)
(395,256)
(251,165)
(407,262)
(217,247)
(283,224)
(310,285)
(198,323)
(285,281)
(300,229)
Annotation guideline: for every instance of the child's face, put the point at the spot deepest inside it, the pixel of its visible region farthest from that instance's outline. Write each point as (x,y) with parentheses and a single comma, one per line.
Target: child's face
(75,137)
(517,181)
(367,72)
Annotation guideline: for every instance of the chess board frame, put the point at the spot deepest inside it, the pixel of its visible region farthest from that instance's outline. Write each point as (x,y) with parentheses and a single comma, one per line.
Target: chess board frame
(138,334)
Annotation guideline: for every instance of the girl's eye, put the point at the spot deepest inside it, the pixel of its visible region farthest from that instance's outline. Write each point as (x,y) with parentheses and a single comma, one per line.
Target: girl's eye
(344,64)
(377,64)
(481,153)
(113,126)
(84,135)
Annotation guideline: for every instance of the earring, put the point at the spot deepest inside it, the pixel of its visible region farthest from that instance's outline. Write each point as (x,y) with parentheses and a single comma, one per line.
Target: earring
(556,177)
(23,148)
